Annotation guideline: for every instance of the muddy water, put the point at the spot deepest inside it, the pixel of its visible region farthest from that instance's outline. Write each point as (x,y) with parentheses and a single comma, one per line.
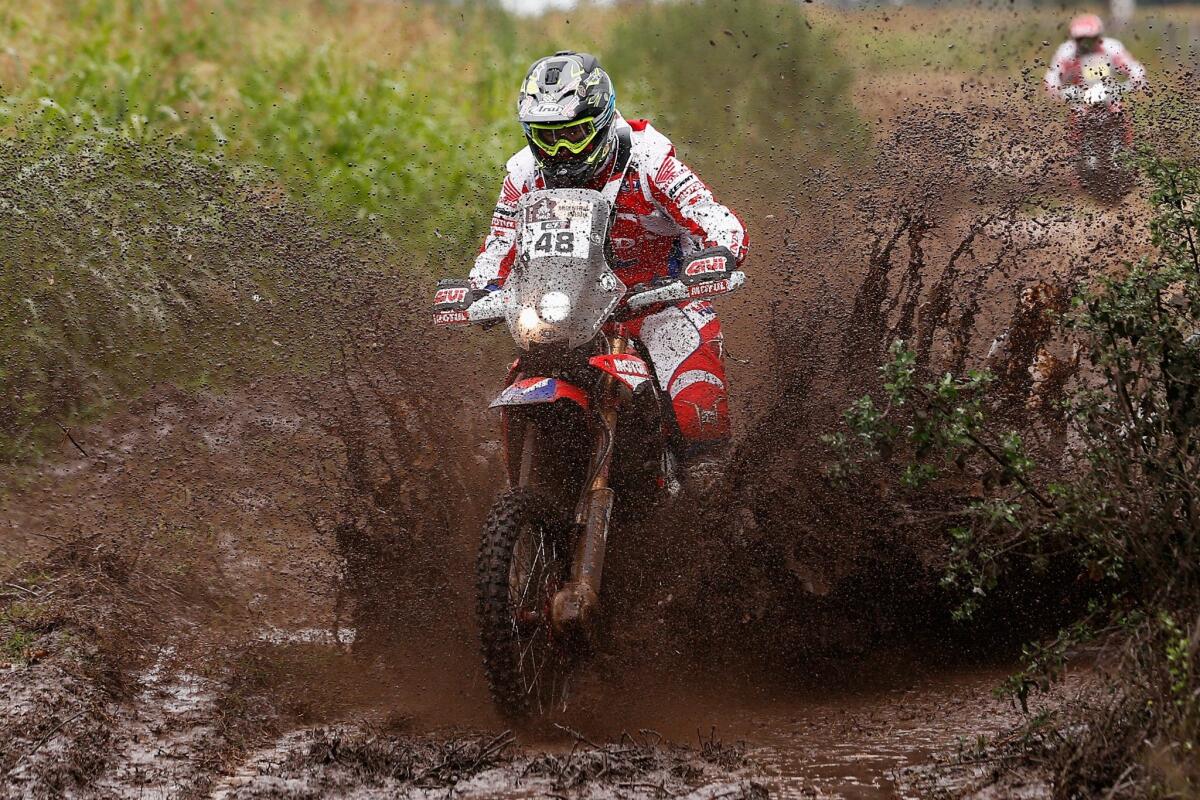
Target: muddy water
(856,744)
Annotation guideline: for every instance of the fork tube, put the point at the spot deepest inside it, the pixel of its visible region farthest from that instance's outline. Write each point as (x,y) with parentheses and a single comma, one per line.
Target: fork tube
(608,420)
(575,603)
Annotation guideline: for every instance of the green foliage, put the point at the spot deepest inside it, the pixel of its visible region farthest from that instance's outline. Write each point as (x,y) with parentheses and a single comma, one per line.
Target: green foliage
(739,81)
(18,644)
(1179,654)
(412,141)
(125,264)
(1122,508)
(20,624)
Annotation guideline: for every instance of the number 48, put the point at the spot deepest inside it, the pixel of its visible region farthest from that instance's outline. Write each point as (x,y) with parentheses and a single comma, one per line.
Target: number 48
(561,242)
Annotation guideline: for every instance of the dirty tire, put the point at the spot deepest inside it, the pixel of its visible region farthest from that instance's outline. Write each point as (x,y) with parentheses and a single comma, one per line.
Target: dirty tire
(526,669)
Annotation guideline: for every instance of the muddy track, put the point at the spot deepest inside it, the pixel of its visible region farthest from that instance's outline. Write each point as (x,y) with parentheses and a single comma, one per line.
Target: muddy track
(267,592)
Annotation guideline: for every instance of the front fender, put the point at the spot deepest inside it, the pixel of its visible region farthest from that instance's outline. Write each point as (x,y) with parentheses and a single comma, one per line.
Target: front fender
(532,391)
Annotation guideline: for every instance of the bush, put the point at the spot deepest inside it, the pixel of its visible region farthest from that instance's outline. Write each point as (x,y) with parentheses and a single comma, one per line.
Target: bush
(125,264)
(1120,507)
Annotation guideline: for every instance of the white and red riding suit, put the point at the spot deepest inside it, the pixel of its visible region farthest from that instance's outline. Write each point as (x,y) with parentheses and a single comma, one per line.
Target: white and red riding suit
(1065,79)
(663,215)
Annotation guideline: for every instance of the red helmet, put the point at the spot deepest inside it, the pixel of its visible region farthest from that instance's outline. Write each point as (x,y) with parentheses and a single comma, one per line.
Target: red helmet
(1087,26)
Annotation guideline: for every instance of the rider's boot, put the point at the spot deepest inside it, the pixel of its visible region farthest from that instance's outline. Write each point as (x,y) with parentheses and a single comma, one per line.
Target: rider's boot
(704,477)
(706,485)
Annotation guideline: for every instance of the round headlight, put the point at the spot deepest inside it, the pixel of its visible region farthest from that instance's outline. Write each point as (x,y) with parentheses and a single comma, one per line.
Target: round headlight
(528,319)
(554,306)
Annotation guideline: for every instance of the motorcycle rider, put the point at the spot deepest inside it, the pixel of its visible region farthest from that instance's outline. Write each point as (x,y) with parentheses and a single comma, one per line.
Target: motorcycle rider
(1066,79)
(664,217)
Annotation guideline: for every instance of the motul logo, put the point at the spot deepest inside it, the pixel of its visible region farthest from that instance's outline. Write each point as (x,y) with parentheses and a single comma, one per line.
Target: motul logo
(704,266)
(450,317)
(705,289)
(631,366)
(450,296)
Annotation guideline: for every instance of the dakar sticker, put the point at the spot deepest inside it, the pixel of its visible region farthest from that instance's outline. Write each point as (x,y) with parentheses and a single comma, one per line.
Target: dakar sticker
(558,208)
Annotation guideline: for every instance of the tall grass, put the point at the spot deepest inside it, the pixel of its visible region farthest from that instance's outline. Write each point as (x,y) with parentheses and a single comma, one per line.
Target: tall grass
(745,85)
(123,265)
(378,112)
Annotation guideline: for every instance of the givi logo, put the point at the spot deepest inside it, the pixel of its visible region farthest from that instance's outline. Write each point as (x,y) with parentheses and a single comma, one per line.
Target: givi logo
(705,266)
(456,295)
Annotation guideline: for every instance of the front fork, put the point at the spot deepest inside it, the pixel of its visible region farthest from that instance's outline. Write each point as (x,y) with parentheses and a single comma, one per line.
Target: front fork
(574,605)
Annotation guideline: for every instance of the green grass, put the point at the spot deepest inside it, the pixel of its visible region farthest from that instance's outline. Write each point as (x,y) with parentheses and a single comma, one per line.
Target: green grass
(360,122)
(17,645)
(124,264)
(20,625)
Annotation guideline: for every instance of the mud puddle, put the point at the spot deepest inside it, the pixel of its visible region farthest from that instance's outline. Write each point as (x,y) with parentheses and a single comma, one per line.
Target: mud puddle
(864,745)
(864,733)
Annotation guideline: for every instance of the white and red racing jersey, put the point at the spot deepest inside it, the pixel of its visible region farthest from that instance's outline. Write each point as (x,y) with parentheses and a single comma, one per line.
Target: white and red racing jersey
(664,214)
(1065,79)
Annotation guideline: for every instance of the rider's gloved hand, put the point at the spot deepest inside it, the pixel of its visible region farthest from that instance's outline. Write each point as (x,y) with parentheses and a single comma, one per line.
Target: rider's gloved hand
(1097,93)
(1074,94)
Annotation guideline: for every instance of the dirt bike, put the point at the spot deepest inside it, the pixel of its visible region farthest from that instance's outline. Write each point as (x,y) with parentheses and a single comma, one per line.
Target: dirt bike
(582,422)
(1099,130)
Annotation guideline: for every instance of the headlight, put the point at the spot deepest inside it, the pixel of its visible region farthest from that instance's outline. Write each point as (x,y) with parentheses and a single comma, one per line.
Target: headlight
(554,306)
(528,319)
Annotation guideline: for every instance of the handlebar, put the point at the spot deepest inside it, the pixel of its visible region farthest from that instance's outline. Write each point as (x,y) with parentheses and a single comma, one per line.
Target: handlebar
(669,290)
(455,303)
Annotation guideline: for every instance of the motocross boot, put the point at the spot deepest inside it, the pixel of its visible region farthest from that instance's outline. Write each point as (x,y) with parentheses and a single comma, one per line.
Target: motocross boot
(704,477)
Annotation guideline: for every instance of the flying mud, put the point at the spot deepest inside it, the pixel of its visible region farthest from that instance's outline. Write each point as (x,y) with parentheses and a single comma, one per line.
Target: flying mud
(265,590)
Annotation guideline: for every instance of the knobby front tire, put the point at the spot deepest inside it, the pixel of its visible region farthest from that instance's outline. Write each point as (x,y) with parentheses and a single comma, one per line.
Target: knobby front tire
(523,561)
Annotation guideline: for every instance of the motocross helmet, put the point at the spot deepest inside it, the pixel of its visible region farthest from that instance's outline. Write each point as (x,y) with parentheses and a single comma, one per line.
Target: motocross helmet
(1086,30)
(566,107)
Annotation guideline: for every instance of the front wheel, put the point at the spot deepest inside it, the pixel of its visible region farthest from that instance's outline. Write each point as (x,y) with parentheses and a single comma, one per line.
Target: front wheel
(523,562)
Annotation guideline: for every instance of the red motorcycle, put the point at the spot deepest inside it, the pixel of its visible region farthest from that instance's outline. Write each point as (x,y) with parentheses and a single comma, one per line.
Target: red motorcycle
(582,423)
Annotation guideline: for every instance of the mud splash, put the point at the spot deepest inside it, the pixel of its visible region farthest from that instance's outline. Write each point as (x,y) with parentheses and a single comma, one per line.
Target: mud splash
(197,560)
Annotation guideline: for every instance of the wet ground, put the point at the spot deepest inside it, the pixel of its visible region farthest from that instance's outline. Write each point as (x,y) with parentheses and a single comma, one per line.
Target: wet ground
(880,743)
(210,544)
(908,740)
